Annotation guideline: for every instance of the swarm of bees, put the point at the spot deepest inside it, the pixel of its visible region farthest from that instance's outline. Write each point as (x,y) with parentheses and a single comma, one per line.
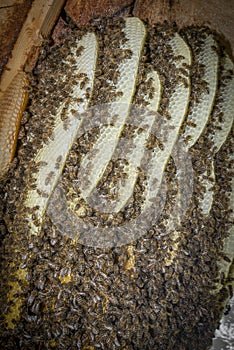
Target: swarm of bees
(106,110)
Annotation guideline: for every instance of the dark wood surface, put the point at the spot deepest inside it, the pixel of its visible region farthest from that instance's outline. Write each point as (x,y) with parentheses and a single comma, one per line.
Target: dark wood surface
(217,14)
(12,16)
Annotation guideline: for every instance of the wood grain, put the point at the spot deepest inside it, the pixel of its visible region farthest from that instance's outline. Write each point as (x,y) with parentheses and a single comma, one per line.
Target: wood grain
(12,16)
(39,22)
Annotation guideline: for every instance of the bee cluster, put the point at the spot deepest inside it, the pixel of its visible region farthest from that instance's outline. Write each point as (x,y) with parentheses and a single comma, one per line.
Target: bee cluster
(163,290)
